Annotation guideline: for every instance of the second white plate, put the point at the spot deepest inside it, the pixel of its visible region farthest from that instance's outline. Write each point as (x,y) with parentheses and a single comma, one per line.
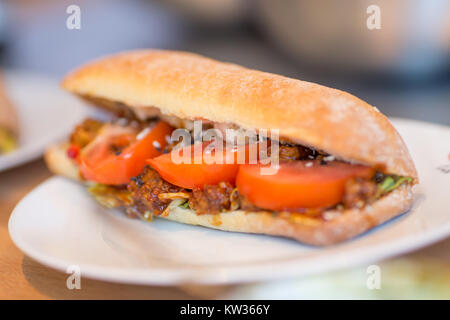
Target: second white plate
(46,114)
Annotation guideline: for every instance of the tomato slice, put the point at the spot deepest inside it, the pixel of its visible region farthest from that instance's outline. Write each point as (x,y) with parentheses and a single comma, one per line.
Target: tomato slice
(298,185)
(119,153)
(199,171)
(192,175)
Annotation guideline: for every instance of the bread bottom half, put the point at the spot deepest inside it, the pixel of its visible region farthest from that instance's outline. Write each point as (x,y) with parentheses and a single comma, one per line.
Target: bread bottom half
(339,225)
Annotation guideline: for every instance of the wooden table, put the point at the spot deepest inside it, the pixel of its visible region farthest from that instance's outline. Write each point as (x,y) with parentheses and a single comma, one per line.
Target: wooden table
(23,278)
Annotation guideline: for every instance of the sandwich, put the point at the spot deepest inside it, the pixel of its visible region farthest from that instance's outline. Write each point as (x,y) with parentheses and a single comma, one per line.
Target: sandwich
(9,124)
(328,166)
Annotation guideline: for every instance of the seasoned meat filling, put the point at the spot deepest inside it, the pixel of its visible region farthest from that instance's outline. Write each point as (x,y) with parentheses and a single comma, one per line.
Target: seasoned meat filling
(85,132)
(359,192)
(293,152)
(148,192)
(146,188)
(212,199)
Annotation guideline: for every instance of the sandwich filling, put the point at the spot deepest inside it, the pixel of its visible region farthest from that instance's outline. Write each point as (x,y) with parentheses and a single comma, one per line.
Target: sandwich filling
(130,163)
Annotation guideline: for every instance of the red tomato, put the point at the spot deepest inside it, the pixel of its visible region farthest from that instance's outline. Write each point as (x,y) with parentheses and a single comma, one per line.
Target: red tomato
(297,185)
(100,161)
(195,175)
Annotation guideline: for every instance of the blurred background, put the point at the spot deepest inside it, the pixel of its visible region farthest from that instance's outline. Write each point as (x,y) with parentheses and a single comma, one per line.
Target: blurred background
(403,68)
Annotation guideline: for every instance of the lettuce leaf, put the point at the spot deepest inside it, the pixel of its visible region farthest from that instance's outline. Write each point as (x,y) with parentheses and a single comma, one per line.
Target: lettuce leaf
(390,183)
(185,205)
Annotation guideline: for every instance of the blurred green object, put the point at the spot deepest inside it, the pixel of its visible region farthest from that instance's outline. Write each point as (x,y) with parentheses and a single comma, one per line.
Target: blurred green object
(414,279)
(402,278)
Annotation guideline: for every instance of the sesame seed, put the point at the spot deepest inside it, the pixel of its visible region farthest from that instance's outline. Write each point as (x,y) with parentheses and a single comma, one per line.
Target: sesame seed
(143,134)
(157,145)
(308,164)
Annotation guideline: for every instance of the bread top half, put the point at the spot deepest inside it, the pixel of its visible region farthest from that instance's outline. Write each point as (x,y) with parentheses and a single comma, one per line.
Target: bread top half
(190,86)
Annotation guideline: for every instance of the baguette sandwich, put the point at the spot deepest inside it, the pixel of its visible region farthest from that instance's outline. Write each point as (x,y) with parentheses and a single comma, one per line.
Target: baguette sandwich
(328,165)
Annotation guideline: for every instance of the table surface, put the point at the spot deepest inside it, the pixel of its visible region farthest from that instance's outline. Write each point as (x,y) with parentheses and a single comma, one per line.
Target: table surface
(23,278)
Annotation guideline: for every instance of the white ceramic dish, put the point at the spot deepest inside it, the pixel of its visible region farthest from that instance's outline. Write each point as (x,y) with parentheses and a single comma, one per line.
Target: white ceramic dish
(59,224)
(46,115)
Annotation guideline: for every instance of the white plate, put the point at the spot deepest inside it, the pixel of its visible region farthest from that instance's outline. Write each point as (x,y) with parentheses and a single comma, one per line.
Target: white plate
(59,224)
(46,115)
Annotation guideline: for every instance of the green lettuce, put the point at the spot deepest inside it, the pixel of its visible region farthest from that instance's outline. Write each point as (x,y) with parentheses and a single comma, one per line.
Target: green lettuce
(390,183)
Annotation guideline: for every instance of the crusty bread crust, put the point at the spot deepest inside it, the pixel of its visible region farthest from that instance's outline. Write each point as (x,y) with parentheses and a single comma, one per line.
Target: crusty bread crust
(191,86)
(338,226)
(59,163)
